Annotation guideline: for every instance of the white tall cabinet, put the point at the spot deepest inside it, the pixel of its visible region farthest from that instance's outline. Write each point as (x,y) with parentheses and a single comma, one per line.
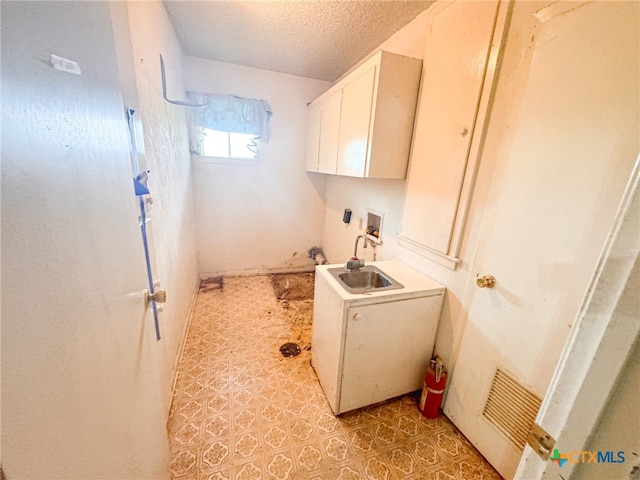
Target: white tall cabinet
(362,126)
(459,68)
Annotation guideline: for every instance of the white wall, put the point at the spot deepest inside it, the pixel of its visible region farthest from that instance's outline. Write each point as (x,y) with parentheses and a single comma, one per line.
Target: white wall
(265,217)
(86,386)
(166,141)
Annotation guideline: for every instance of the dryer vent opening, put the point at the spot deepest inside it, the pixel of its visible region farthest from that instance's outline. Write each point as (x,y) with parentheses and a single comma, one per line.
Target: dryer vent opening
(511,407)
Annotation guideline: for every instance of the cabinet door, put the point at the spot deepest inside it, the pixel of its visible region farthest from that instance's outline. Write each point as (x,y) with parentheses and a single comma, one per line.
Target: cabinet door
(314,112)
(453,74)
(329,132)
(357,99)
(387,349)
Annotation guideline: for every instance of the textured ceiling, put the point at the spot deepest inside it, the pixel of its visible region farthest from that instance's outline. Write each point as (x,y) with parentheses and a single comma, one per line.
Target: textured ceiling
(319,39)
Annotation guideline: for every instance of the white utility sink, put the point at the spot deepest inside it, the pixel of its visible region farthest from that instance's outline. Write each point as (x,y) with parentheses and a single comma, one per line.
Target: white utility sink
(364,279)
(373,331)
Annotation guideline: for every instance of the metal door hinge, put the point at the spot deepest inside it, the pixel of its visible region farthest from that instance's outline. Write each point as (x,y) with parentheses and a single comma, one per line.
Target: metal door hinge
(540,441)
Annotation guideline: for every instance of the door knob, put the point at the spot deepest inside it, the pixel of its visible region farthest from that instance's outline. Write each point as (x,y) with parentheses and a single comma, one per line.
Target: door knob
(486,281)
(159,296)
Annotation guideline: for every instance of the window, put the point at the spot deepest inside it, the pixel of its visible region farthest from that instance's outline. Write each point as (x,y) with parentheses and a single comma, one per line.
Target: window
(229,145)
(229,127)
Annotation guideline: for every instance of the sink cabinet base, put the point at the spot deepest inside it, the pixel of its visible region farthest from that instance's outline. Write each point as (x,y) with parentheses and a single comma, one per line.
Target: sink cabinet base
(366,350)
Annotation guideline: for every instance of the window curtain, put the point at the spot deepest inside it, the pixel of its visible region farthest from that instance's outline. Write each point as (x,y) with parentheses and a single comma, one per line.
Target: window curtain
(228,113)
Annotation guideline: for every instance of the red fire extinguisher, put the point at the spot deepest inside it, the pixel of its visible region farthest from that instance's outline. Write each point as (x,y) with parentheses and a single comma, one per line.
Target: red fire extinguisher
(434,383)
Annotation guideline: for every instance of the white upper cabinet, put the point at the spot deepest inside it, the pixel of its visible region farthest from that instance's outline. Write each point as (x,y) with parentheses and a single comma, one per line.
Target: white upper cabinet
(366,120)
(353,145)
(458,73)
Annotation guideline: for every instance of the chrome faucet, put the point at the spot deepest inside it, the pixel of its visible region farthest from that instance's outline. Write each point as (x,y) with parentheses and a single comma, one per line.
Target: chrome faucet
(355,263)
(355,247)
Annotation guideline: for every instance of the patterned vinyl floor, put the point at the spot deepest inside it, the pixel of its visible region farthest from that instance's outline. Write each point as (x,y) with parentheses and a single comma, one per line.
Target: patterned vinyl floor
(241,410)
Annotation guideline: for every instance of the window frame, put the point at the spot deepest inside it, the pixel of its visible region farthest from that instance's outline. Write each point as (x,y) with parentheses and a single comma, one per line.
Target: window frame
(229,159)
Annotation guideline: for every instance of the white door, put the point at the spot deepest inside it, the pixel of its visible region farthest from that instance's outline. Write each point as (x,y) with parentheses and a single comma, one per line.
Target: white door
(565,149)
(597,373)
(83,376)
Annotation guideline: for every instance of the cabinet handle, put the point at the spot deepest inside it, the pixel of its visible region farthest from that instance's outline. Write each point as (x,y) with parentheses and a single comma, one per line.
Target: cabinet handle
(464,131)
(357,316)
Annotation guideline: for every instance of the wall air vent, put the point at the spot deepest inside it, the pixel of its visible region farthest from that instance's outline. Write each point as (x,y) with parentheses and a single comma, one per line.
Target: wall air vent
(511,407)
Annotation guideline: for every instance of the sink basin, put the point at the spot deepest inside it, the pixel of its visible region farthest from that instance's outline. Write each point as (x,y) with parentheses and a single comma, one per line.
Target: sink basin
(366,279)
